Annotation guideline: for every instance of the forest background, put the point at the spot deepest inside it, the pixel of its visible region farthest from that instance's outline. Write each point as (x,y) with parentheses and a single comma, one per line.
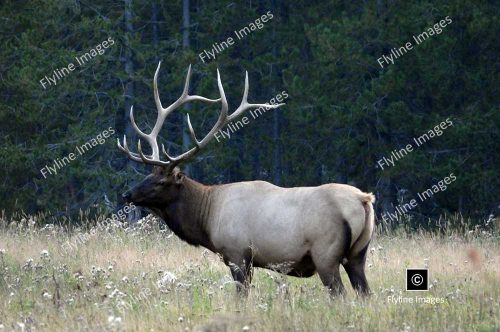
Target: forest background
(342,115)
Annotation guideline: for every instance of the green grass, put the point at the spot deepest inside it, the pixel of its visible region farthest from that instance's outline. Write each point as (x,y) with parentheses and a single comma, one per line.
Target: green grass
(107,280)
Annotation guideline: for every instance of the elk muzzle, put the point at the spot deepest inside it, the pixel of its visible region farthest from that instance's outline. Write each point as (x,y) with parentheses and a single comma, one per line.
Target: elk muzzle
(127,196)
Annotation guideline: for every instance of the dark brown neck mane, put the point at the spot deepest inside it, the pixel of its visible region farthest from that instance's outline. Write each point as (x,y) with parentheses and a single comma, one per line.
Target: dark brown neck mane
(188,215)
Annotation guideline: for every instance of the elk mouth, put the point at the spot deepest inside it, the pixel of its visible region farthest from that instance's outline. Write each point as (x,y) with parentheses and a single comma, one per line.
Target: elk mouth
(127,196)
(138,200)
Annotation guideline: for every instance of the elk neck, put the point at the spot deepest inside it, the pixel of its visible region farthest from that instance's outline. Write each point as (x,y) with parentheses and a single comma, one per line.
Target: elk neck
(188,216)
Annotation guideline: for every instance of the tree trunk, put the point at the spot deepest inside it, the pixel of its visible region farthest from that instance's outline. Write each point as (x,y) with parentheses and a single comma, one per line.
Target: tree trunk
(129,96)
(154,24)
(277,153)
(129,69)
(186,140)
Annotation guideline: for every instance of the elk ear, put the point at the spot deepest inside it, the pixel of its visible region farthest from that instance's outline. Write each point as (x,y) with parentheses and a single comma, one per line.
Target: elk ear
(178,176)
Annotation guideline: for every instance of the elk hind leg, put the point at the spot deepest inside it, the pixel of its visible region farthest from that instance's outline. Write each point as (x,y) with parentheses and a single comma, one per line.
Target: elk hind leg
(327,265)
(355,268)
(330,277)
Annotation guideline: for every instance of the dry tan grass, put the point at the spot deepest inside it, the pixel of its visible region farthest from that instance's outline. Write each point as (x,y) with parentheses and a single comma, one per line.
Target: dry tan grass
(110,282)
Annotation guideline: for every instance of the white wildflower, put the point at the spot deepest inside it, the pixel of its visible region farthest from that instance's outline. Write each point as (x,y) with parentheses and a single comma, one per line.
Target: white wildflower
(44,254)
(28,264)
(117,293)
(114,321)
(262,306)
(167,278)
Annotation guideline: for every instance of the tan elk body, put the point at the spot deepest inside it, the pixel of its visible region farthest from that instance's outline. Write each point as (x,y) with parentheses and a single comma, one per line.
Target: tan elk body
(297,231)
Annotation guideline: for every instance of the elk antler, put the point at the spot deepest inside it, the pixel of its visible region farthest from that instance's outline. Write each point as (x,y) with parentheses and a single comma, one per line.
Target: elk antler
(151,138)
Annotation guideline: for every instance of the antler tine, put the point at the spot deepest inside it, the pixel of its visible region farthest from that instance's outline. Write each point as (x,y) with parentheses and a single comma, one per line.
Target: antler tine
(155,88)
(150,161)
(132,120)
(221,121)
(185,97)
(191,132)
(125,149)
(166,153)
(164,112)
(223,116)
(151,138)
(245,105)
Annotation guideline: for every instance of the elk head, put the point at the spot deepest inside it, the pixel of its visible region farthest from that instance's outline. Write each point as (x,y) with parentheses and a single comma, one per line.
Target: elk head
(162,186)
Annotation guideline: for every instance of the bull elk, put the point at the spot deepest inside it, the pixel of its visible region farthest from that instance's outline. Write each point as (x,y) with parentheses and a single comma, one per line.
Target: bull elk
(299,231)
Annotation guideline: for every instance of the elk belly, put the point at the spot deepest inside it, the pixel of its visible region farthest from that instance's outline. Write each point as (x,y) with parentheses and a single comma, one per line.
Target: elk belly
(273,225)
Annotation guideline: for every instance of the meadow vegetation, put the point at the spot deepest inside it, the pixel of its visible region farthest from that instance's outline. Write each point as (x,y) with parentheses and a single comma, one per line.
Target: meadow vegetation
(143,278)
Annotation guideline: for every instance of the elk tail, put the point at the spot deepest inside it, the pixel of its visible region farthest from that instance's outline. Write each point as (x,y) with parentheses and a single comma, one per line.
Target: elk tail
(367,200)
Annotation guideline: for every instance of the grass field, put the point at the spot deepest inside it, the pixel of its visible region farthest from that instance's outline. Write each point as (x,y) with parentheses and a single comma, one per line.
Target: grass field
(145,279)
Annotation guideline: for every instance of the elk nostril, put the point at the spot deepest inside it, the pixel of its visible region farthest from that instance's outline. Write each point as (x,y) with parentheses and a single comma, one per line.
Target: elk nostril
(126,195)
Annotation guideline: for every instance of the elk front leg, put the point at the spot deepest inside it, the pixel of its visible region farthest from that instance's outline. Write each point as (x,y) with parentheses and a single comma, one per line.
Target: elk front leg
(241,270)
